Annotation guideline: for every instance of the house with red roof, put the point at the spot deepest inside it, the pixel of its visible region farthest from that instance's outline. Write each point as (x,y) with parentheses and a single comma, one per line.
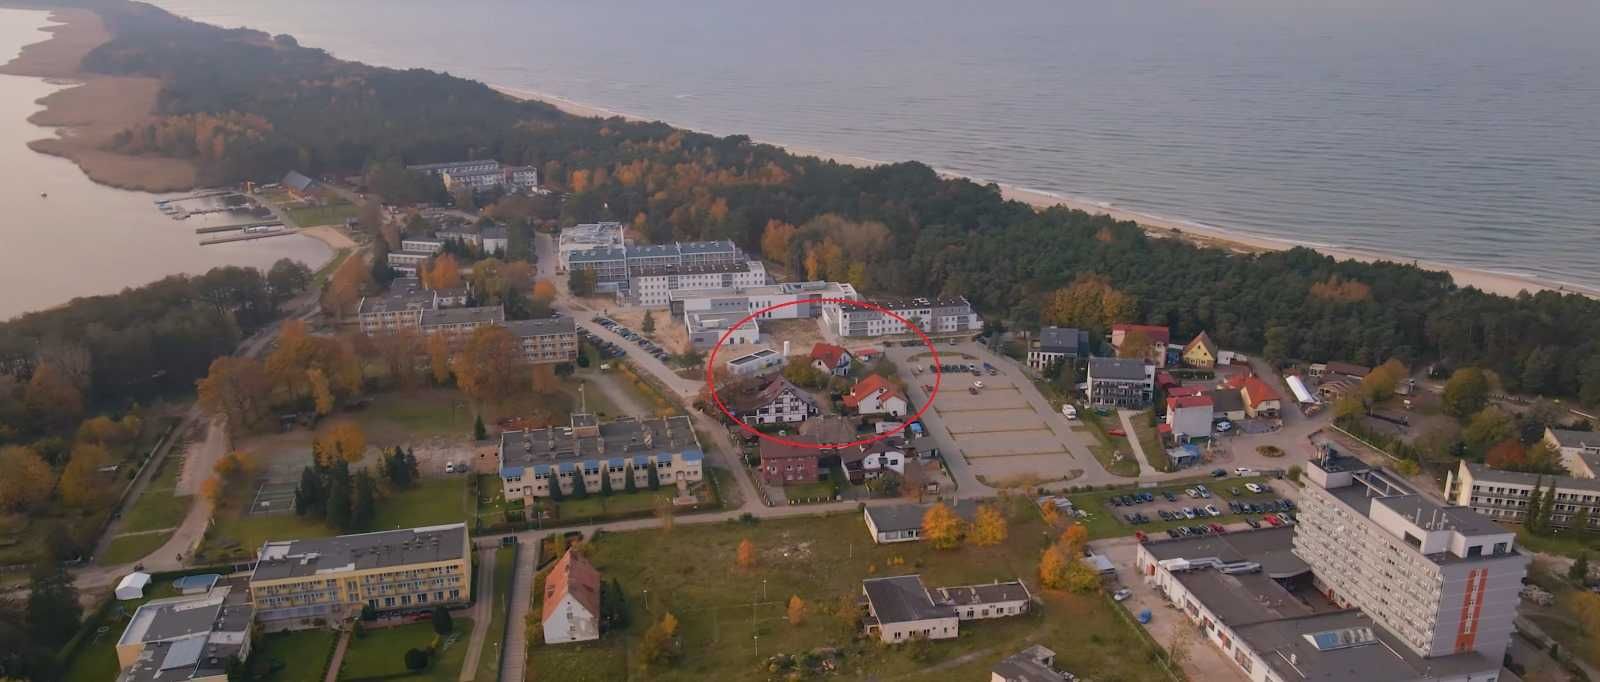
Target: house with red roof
(875,395)
(1157,336)
(571,601)
(830,359)
(1189,416)
(1260,399)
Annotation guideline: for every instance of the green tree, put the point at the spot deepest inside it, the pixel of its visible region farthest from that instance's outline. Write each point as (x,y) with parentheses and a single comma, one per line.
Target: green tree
(365,506)
(416,659)
(1466,393)
(580,488)
(340,494)
(628,485)
(581,282)
(442,623)
(479,431)
(1489,426)
(1532,517)
(648,326)
(53,613)
(605,482)
(309,496)
(1579,571)
(654,479)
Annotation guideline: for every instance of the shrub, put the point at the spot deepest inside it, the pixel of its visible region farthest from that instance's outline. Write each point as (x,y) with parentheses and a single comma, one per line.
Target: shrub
(416,659)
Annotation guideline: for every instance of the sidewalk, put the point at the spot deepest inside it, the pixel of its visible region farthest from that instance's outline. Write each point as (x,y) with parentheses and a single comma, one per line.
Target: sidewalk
(1145,470)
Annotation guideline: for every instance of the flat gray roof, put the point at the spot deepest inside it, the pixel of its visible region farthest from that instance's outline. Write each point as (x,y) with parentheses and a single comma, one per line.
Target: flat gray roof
(895,517)
(1128,369)
(544,326)
(405,293)
(431,318)
(623,438)
(689,269)
(1484,474)
(299,558)
(977,595)
(1284,647)
(1063,340)
(1568,438)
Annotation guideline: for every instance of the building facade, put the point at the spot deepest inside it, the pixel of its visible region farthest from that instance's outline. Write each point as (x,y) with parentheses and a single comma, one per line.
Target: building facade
(777,401)
(571,605)
(586,237)
(652,286)
(796,298)
(1053,345)
(663,450)
(1505,495)
(943,315)
(335,578)
(545,340)
(1121,382)
(614,266)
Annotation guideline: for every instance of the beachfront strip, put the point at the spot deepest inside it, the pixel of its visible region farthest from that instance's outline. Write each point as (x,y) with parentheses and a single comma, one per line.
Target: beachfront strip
(1376,583)
(587,456)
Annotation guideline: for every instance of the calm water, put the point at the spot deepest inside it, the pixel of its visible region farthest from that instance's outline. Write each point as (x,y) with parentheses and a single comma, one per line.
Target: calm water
(87,239)
(1465,131)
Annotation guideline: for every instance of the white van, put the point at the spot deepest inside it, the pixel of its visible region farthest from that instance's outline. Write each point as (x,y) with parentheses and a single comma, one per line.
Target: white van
(1069,411)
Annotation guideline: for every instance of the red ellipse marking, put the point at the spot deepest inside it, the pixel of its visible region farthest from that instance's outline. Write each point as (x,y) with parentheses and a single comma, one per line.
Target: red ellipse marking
(711,382)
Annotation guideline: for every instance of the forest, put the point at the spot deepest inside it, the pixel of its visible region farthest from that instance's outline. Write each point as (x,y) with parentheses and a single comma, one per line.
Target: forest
(269,105)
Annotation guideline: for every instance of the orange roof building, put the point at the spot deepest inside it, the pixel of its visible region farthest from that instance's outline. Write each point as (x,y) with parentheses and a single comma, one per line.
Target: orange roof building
(571,601)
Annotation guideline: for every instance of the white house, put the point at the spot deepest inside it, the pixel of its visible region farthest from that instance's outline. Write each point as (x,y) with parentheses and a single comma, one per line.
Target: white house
(571,601)
(875,395)
(776,402)
(830,359)
(1190,416)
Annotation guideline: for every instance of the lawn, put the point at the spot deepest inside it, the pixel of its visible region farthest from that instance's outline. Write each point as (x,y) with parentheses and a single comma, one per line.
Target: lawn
(1150,441)
(691,572)
(505,568)
(157,507)
(126,549)
(329,214)
(379,653)
(432,502)
(1566,543)
(1105,447)
(96,659)
(821,491)
(1105,521)
(301,653)
(621,503)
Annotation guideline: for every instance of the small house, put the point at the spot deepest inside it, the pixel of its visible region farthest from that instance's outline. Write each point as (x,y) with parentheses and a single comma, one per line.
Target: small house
(132,586)
(875,395)
(571,601)
(830,359)
(1201,352)
(776,402)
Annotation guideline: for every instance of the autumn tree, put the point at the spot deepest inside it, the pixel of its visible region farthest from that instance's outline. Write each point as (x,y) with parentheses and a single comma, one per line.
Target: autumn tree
(345,288)
(1090,302)
(444,273)
(545,381)
(747,555)
(775,240)
(796,610)
(82,483)
(321,392)
(439,358)
(486,370)
(941,527)
(1507,454)
(989,528)
(1075,538)
(25,479)
(659,644)
(1466,393)
(398,350)
(544,293)
(1135,344)
(1489,426)
(304,364)
(52,399)
(344,440)
(236,389)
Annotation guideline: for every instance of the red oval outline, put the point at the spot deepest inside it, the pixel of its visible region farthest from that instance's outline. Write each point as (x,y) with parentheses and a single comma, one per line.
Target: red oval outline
(711,363)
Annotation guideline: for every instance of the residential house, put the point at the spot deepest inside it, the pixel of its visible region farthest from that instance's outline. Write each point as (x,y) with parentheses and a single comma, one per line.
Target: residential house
(532,461)
(875,395)
(1033,664)
(1158,337)
(1201,352)
(1121,382)
(1057,344)
(302,582)
(1260,399)
(830,359)
(775,401)
(1579,450)
(871,460)
(901,609)
(186,639)
(571,600)
(893,523)
(786,464)
(299,186)
(1189,416)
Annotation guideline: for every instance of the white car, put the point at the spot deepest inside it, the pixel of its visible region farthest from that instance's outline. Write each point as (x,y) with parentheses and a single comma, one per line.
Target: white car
(449,467)
(1253,487)
(1224,426)
(1191,492)
(1212,510)
(1122,594)
(1244,471)
(1069,412)
(978,385)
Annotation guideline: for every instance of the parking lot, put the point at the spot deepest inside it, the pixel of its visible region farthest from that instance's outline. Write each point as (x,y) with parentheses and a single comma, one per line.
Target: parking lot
(1187,507)
(611,350)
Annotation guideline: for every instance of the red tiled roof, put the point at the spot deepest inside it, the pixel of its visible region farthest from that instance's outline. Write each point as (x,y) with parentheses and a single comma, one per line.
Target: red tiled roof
(772,450)
(1157,333)
(1179,402)
(828,353)
(1181,391)
(866,387)
(573,575)
(1257,391)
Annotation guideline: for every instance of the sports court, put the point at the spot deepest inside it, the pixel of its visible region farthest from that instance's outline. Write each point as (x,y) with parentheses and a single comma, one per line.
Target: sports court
(276,484)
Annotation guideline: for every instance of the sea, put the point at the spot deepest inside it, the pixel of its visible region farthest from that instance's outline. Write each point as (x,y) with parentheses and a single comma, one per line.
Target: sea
(1462,132)
(63,236)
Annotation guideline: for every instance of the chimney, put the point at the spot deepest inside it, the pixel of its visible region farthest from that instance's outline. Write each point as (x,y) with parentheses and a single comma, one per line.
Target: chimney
(649,438)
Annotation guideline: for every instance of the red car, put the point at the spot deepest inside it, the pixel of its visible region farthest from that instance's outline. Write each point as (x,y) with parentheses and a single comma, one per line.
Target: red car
(1272,519)
(1217,528)
(1140,536)
(1117,432)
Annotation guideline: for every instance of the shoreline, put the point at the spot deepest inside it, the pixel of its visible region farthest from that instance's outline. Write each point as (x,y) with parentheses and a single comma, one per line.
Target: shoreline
(1163,227)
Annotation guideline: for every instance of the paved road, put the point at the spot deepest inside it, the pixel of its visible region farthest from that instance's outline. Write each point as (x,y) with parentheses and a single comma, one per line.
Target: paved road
(514,651)
(482,613)
(1145,470)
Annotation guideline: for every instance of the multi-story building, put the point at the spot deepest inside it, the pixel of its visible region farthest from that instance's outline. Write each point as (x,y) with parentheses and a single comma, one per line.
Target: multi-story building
(1189,416)
(651,286)
(458,324)
(334,578)
(608,263)
(1443,579)
(1505,495)
(942,315)
(531,461)
(481,175)
(1123,382)
(440,169)
(776,401)
(422,245)
(586,237)
(400,307)
(1579,450)
(546,340)
(747,300)
(1056,344)
(188,638)
(408,262)
(614,266)
(488,239)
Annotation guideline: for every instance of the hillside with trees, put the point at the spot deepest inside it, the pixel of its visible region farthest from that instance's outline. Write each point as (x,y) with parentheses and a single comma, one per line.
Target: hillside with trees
(247,105)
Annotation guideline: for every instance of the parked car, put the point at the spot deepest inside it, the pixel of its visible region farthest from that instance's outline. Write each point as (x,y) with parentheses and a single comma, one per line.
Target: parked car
(1188,512)
(1244,471)
(1217,528)
(1124,593)
(1273,520)
(1191,492)
(1219,473)
(1170,497)
(1253,523)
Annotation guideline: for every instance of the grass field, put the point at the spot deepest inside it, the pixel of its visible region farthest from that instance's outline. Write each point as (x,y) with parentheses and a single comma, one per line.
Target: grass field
(691,572)
(505,568)
(301,653)
(1565,543)
(381,653)
(96,660)
(126,549)
(821,491)
(1150,442)
(433,501)
(1105,521)
(595,505)
(329,214)
(1105,446)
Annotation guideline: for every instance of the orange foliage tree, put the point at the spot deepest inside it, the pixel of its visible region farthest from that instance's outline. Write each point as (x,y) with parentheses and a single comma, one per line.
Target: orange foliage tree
(343,439)
(486,368)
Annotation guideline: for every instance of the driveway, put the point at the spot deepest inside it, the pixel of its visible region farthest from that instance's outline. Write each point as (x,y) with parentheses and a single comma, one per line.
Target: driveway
(1167,624)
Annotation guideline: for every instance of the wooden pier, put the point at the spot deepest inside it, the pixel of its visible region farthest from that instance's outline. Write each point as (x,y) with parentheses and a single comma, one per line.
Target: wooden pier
(247,236)
(198,195)
(237,226)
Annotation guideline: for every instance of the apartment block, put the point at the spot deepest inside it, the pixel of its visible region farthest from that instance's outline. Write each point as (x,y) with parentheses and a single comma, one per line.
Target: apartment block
(400,307)
(587,237)
(614,265)
(299,581)
(652,286)
(533,461)
(941,315)
(747,300)
(546,340)
(1504,495)
(1443,579)
(1122,382)
(458,324)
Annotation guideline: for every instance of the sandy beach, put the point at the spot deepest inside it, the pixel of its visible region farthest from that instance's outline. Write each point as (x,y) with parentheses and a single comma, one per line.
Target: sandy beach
(1159,226)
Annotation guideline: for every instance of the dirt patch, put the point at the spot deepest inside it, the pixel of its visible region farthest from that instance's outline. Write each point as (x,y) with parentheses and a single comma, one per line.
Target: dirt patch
(669,334)
(87,115)
(800,551)
(801,335)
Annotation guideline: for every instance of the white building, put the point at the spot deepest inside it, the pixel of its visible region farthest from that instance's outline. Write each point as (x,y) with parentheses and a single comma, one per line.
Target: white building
(750,299)
(1121,382)
(944,315)
(615,266)
(1579,450)
(875,395)
(571,605)
(1057,344)
(408,262)
(755,363)
(422,245)
(652,286)
(706,329)
(1189,416)
(901,609)
(775,402)
(888,524)
(1504,495)
(586,237)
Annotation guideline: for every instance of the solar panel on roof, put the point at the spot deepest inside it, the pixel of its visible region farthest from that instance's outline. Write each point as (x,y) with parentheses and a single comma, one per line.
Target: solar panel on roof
(1343,638)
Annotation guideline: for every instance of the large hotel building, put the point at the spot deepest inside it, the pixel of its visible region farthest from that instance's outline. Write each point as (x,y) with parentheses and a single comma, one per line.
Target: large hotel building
(334,578)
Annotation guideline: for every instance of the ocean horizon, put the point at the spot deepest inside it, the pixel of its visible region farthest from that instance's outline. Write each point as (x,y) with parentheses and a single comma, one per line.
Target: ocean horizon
(1461,133)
